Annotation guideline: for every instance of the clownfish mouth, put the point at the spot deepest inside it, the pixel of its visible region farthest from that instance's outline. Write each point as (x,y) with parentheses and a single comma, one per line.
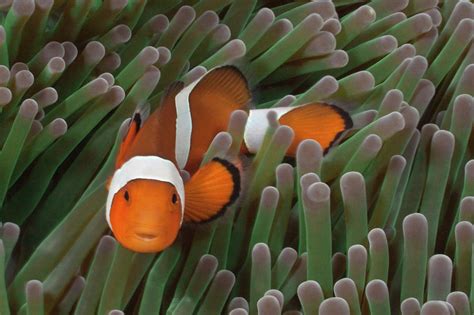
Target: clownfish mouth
(146,236)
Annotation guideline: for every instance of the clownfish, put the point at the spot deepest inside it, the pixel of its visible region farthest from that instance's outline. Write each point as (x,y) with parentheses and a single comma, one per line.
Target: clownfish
(148,201)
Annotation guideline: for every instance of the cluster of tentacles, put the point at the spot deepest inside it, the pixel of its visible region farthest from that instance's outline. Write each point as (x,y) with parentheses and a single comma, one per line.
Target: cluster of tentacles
(381,224)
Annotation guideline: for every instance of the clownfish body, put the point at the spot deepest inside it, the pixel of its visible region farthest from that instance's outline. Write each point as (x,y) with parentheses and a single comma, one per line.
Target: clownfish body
(148,200)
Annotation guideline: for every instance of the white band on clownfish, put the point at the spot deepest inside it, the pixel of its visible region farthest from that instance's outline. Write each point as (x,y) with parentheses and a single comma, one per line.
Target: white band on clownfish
(145,167)
(257,124)
(184,124)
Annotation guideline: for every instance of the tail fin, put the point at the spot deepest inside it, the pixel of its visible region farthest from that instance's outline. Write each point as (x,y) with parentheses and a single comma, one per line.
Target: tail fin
(211,190)
(318,121)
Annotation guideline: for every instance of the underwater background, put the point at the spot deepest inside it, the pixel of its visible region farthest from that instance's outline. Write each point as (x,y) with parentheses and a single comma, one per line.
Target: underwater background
(381,224)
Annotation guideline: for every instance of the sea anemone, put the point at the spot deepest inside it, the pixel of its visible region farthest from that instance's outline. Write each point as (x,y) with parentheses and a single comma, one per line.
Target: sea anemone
(380,224)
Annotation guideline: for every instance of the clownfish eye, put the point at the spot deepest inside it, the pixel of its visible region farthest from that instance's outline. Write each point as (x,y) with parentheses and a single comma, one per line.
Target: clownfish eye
(174,199)
(126,195)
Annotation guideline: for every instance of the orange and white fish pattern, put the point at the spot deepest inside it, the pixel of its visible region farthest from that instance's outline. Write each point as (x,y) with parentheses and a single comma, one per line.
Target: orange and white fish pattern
(148,200)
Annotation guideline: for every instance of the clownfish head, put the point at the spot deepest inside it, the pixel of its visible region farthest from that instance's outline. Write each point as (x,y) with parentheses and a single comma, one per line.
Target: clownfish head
(145,204)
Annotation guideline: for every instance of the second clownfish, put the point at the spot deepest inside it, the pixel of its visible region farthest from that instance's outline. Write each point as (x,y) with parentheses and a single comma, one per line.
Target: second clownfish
(148,200)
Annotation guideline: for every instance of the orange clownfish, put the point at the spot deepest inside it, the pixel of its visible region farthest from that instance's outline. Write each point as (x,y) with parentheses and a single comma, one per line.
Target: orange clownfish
(148,200)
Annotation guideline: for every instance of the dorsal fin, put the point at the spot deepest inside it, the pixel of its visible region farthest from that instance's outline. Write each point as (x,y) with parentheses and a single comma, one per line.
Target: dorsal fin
(226,84)
(152,133)
(171,91)
(133,129)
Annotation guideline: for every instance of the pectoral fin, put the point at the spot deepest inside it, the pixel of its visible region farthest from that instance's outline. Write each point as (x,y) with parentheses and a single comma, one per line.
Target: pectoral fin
(211,190)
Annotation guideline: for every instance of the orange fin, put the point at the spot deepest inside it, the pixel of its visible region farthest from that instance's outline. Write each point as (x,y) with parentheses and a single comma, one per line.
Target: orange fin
(211,190)
(224,86)
(134,127)
(322,122)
